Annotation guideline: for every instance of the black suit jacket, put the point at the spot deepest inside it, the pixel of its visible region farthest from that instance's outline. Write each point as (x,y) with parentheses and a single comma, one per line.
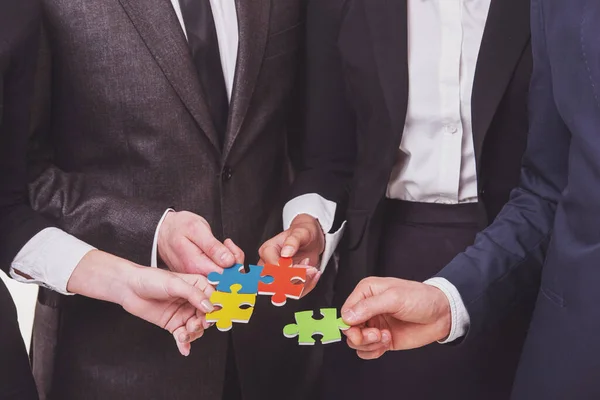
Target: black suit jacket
(123,132)
(357,101)
(19,34)
(19,38)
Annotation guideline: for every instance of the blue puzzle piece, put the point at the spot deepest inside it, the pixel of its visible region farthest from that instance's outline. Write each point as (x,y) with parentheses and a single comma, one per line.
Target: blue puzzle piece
(236,276)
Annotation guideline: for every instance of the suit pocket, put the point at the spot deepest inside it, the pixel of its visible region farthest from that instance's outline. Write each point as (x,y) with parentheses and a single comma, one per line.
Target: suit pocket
(285,41)
(357,225)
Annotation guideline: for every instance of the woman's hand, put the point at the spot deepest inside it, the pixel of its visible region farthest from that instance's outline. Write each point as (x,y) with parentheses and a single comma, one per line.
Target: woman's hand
(175,302)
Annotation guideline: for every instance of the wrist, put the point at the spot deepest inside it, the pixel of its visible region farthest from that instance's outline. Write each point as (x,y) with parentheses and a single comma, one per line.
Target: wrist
(443,314)
(163,234)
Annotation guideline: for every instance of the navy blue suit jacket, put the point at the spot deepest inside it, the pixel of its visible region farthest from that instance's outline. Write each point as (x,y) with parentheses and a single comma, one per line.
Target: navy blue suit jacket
(553,217)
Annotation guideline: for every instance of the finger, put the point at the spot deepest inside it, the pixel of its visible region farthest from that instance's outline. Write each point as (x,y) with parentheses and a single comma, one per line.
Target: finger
(202,237)
(194,325)
(192,260)
(312,278)
(371,355)
(363,290)
(365,337)
(370,307)
(182,339)
(179,317)
(370,299)
(298,237)
(196,335)
(270,252)
(354,335)
(235,250)
(369,347)
(178,288)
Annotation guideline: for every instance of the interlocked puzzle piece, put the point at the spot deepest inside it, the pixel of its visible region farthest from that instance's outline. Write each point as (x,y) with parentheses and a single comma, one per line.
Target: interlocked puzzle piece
(288,282)
(306,326)
(231,308)
(236,275)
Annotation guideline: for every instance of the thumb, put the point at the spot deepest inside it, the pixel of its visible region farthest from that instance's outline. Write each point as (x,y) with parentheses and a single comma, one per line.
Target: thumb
(298,238)
(178,288)
(362,311)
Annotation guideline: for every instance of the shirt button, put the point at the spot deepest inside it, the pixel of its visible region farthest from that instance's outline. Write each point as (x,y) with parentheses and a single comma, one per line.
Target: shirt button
(226,174)
(451,128)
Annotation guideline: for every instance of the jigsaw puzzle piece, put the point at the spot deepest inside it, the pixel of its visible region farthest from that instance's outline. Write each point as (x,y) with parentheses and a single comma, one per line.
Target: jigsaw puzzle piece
(231,308)
(306,326)
(287,282)
(237,276)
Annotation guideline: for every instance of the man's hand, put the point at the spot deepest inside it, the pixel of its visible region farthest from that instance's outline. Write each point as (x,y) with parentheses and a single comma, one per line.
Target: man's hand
(395,314)
(186,244)
(304,241)
(175,302)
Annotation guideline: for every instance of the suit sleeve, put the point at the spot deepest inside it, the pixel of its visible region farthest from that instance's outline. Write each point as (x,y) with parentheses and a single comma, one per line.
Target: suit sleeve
(329,147)
(505,262)
(121,225)
(18,222)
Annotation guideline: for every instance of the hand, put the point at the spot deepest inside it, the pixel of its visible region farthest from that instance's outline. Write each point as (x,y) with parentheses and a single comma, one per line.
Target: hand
(304,241)
(186,244)
(394,314)
(175,302)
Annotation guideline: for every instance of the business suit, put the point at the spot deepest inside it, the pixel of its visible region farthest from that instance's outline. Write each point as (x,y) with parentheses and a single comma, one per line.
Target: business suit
(357,104)
(19,31)
(551,217)
(129,135)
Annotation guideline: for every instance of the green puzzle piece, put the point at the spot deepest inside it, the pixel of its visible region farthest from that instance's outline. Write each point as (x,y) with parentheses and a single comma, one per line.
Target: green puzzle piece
(306,326)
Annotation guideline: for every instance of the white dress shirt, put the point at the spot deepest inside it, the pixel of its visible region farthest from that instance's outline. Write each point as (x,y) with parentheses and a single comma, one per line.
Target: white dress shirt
(52,255)
(436,162)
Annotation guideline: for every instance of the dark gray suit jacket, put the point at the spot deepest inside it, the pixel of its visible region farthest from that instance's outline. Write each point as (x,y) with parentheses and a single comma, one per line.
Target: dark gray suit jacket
(124,134)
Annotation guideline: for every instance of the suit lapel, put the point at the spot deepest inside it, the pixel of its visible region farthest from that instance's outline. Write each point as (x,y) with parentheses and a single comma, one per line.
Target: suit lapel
(157,24)
(505,38)
(253,17)
(387,20)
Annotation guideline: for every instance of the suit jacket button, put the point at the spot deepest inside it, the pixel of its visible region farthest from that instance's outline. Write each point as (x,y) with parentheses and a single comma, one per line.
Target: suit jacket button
(227,174)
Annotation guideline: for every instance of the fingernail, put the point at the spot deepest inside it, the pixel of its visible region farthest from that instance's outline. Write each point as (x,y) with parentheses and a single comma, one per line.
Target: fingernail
(349,315)
(305,261)
(184,338)
(385,337)
(206,324)
(287,251)
(207,306)
(227,258)
(372,337)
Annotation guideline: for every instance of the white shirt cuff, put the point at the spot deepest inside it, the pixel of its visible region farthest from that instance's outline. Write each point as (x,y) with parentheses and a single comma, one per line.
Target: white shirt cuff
(49,258)
(324,211)
(460,316)
(154,255)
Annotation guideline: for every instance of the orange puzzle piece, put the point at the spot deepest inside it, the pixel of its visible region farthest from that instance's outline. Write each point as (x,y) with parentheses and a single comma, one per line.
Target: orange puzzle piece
(288,282)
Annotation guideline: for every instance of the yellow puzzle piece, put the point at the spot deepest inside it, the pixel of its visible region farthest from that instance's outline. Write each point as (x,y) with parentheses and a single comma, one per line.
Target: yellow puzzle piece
(231,310)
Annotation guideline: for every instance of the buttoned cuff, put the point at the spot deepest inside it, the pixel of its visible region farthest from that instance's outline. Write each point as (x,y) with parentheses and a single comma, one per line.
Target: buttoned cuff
(459,314)
(49,258)
(324,211)
(154,255)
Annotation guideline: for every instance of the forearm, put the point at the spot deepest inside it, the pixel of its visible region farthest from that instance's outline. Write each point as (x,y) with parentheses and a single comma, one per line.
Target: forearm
(102,276)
